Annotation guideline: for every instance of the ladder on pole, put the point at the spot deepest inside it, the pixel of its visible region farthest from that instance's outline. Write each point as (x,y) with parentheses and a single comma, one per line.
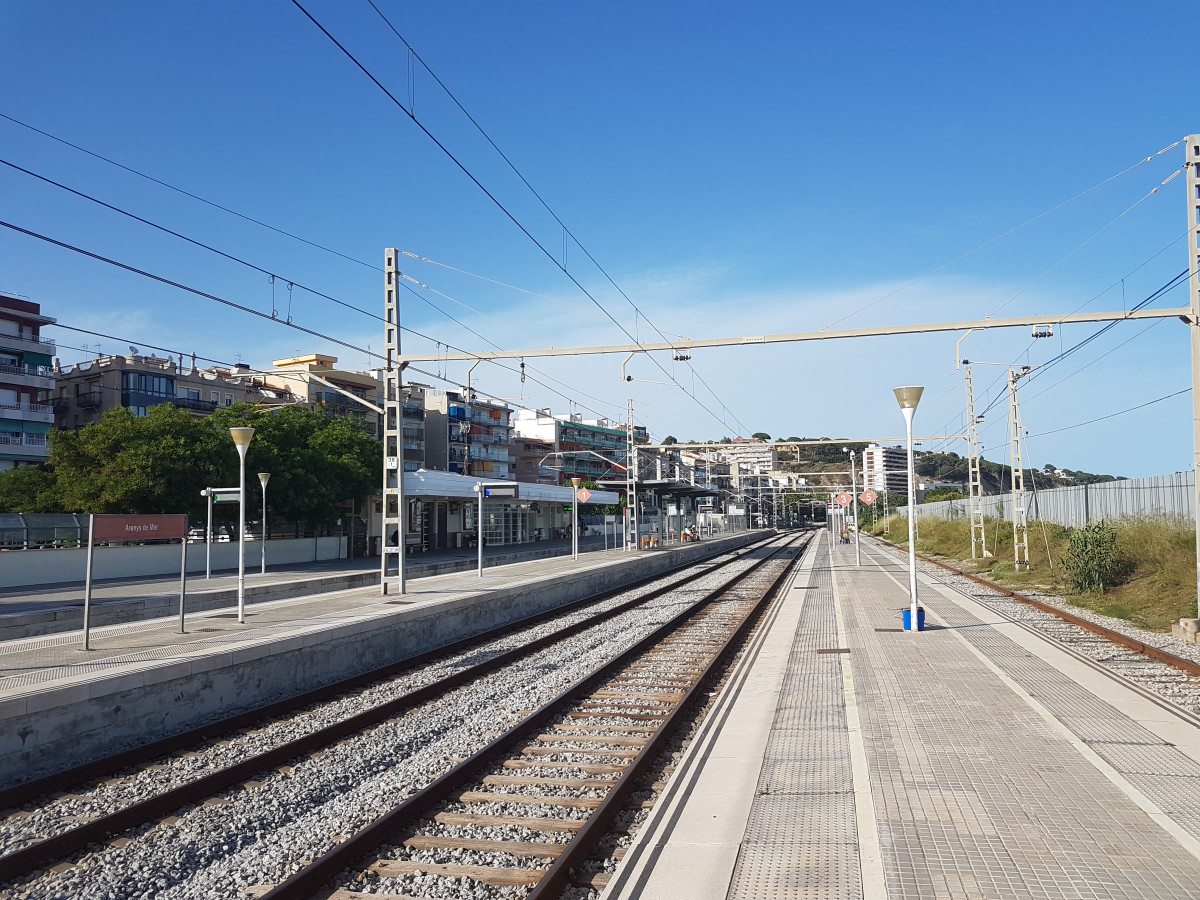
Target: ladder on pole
(974,482)
(631,520)
(392,554)
(1020,529)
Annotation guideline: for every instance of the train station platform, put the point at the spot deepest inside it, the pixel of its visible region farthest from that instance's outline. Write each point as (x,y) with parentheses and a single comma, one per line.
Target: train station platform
(48,609)
(61,705)
(976,759)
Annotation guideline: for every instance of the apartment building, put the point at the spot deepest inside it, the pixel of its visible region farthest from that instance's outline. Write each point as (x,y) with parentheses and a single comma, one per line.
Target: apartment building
(86,390)
(468,436)
(751,456)
(26,377)
(585,448)
(532,460)
(885,468)
(306,376)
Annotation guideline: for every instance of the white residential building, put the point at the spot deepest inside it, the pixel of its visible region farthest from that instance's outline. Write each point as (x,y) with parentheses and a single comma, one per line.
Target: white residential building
(885,469)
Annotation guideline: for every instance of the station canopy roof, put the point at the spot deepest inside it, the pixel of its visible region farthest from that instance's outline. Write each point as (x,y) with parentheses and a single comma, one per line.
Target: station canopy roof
(428,483)
(666,487)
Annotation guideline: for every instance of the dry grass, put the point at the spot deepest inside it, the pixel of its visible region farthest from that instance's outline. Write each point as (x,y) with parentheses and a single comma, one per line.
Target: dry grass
(1158,556)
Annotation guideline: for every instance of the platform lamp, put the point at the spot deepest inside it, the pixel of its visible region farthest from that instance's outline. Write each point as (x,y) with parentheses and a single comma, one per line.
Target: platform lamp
(575,518)
(908,397)
(263,478)
(241,438)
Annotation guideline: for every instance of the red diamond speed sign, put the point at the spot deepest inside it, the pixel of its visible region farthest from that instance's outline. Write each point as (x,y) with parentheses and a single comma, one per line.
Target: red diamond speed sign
(867,497)
(843,498)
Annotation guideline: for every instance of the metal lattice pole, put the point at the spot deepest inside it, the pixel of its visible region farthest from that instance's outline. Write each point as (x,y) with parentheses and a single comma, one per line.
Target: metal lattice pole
(393,442)
(1020,530)
(1192,161)
(631,481)
(974,482)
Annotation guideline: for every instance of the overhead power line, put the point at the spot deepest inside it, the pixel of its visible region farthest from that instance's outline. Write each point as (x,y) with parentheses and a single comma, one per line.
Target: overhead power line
(133,343)
(546,206)
(179,190)
(492,197)
(254,312)
(1000,237)
(274,275)
(1114,415)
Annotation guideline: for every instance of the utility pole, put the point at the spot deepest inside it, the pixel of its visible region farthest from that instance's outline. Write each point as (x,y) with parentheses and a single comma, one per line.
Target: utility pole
(1020,530)
(631,517)
(1191,154)
(974,482)
(393,442)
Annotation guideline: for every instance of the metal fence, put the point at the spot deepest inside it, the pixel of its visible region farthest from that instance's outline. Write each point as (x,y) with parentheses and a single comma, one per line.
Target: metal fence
(1157,495)
(19,532)
(38,531)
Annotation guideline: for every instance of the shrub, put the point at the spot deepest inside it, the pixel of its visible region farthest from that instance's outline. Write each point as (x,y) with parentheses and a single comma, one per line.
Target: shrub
(1092,558)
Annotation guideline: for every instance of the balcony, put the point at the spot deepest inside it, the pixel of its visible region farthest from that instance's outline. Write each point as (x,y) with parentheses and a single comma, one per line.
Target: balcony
(204,407)
(28,412)
(23,344)
(27,446)
(90,400)
(40,377)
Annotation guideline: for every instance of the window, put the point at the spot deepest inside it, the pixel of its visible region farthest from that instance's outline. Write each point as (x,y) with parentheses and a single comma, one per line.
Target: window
(229,399)
(215,396)
(193,393)
(157,385)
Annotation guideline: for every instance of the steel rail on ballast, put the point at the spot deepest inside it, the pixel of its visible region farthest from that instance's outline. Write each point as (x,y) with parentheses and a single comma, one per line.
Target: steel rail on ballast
(310,879)
(27,859)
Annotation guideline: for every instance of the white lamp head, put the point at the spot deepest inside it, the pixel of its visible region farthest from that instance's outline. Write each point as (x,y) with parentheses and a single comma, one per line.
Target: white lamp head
(908,397)
(242,437)
(263,478)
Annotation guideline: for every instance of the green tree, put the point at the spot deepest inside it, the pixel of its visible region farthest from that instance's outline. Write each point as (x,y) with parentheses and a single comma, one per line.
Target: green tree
(670,439)
(761,435)
(157,463)
(944,493)
(29,489)
(317,461)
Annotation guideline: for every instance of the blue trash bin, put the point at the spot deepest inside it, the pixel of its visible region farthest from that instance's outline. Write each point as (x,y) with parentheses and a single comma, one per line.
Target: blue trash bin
(920,619)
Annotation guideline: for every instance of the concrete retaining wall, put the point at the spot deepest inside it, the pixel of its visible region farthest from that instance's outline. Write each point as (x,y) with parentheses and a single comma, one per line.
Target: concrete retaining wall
(50,730)
(24,568)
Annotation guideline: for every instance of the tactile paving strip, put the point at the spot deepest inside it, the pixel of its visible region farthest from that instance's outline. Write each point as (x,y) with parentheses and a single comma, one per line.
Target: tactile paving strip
(817,871)
(801,838)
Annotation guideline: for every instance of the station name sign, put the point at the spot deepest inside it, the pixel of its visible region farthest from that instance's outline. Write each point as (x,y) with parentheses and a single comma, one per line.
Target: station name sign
(139,528)
(508,491)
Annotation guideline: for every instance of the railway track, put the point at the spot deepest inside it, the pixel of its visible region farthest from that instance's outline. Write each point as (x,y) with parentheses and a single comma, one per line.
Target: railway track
(138,800)
(528,809)
(1124,655)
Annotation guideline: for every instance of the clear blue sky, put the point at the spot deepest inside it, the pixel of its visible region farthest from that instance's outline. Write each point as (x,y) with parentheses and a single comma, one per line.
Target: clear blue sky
(737,170)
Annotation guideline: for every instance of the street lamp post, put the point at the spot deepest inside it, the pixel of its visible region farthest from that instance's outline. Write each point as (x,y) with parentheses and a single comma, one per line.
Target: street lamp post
(854,503)
(241,438)
(575,518)
(263,478)
(908,398)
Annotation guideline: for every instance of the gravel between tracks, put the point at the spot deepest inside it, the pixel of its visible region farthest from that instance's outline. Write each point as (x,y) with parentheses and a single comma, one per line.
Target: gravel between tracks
(260,835)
